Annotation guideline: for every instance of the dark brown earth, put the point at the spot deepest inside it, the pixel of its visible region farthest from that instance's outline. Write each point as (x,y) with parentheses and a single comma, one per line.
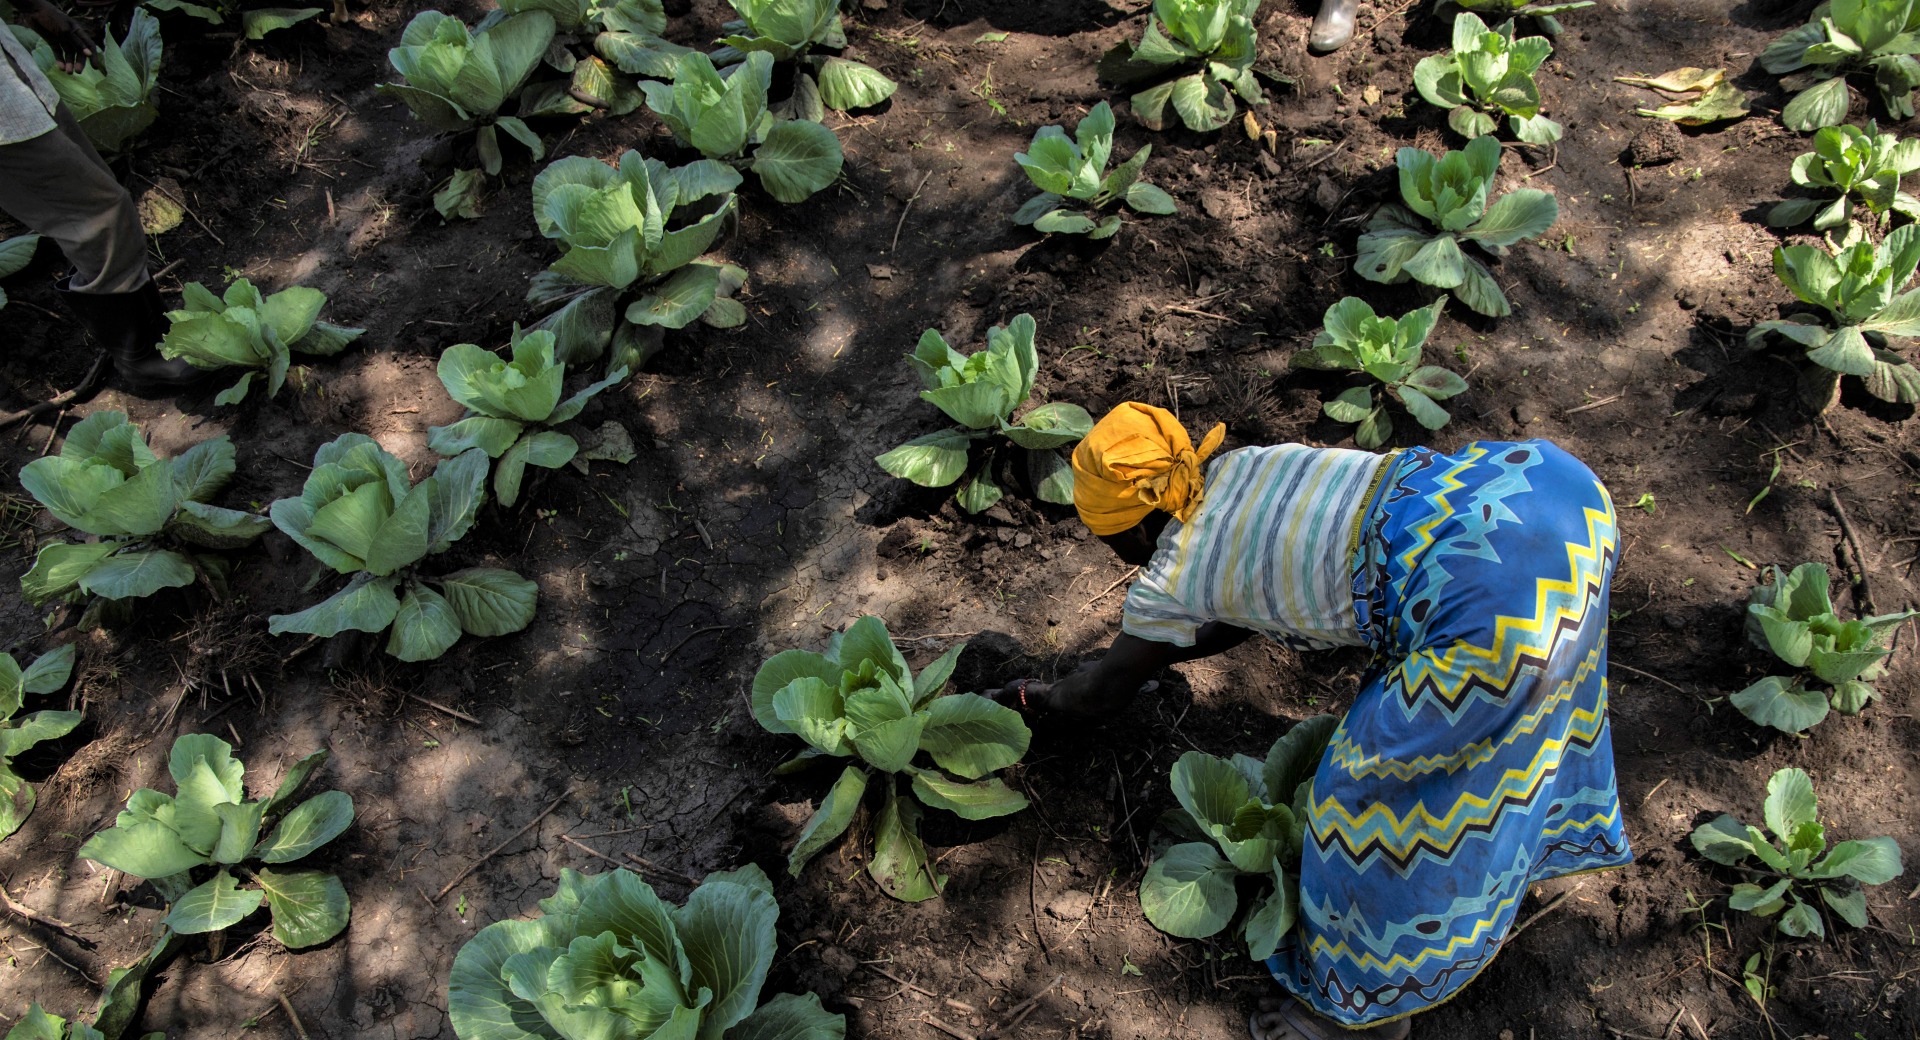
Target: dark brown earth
(754,521)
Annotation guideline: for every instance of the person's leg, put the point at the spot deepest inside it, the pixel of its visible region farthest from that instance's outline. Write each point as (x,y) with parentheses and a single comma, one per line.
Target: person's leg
(58,186)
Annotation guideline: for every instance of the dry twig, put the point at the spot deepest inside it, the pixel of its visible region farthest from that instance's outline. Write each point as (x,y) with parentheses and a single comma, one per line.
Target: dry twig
(894,246)
(471,867)
(60,401)
(33,916)
(1853,540)
(292,1016)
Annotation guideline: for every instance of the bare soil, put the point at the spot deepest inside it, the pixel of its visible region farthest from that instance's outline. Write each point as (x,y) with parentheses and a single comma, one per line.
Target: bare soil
(754,521)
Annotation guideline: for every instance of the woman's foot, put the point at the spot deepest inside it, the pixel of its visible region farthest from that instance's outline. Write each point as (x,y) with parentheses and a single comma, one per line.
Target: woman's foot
(1294,1022)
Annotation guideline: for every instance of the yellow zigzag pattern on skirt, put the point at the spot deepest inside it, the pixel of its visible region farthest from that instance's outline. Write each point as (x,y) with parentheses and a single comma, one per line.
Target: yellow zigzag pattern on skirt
(1559,605)
(1377,829)
(1348,757)
(1483,922)
(1516,640)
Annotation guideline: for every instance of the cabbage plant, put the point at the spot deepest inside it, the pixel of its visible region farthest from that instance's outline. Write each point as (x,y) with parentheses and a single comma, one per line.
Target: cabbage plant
(244,329)
(859,700)
(607,957)
(1878,38)
(15,253)
(113,98)
(633,236)
(1388,349)
(723,118)
(457,79)
(1795,868)
(1852,163)
(150,517)
(1486,75)
(1246,817)
(1860,289)
(1793,617)
(1075,168)
(191,844)
(1543,15)
(1448,205)
(790,30)
(981,392)
(47,674)
(1211,42)
(512,407)
(360,515)
(255,21)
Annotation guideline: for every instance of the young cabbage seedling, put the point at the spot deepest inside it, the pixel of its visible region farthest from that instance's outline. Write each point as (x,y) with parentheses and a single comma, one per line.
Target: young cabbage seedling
(15,253)
(1388,349)
(458,79)
(246,330)
(608,957)
(1447,205)
(47,674)
(1486,75)
(1793,617)
(1792,815)
(1874,37)
(1076,168)
(210,823)
(255,21)
(981,392)
(1859,288)
(112,97)
(1854,163)
(790,30)
(624,33)
(723,118)
(1244,817)
(632,237)
(149,515)
(1214,37)
(360,515)
(512,407)
(858,700)
(1542,14)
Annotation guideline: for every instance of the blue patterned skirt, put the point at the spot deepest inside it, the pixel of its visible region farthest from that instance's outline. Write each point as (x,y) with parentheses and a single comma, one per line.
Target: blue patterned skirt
(1476,758)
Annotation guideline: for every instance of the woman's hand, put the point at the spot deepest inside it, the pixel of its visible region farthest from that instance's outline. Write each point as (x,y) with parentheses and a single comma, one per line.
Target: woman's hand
(1025,696)
(69,41)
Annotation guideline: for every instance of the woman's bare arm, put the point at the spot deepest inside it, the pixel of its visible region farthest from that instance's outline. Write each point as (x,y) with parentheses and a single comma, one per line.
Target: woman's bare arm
(1108,684)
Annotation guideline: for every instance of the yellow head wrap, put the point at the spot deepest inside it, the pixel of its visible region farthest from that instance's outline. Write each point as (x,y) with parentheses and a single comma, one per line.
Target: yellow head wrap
(1138,459)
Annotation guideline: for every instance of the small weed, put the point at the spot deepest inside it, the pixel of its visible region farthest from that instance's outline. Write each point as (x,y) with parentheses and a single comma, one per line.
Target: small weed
(1647,503)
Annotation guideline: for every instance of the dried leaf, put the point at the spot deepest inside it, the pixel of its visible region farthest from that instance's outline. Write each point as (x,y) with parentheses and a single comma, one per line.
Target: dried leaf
(1679,81)
(159,210)
(1721,103)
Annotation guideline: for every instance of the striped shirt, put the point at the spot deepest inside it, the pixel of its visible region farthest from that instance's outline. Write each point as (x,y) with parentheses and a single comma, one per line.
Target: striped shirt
(27,100)
(1269,550)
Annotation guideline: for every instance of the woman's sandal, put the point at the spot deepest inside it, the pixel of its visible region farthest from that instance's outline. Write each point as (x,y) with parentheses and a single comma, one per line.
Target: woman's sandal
(1294,1022)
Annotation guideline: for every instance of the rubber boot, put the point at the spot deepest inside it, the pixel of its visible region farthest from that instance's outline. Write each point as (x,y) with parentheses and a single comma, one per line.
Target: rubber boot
(1333,26)
(129,326)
